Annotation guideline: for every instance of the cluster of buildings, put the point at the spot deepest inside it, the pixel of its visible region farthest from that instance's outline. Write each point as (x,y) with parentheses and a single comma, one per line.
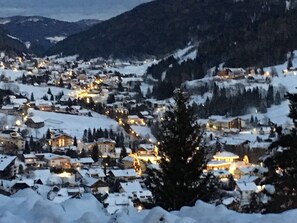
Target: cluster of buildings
(64,167)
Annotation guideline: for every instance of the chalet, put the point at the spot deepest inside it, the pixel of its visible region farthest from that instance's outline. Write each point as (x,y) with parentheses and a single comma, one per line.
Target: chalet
(135,120)
(20,185)
(7,167)
(128,162)
(106,147)
(257,79)
(34,122)
(81,162)
(60,139)
(41,176)
(117,201)
(93,180)
(147,117)
(221,174)
(10,109)
(56,161)
(147,149)
(233,73)
(95,186)
(222,122)
(246,189)
(18,101)
(30,159)
(135,190)
(97,173)
(127,174)
(43,105)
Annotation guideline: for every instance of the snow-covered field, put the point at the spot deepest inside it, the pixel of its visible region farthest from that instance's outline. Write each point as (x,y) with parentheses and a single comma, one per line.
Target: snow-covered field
(27,90)
(139,70)
(55,39)
(11,73)
(73,124)
(26,206)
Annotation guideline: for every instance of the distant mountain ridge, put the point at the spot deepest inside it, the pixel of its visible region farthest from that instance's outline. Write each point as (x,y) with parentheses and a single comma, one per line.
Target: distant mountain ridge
(245,32)
(40,33)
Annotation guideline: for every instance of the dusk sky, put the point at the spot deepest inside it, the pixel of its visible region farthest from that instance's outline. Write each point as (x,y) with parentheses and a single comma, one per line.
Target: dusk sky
(68,10)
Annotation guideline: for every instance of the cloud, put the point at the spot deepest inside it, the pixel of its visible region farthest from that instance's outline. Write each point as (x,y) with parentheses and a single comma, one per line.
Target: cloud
(69,10)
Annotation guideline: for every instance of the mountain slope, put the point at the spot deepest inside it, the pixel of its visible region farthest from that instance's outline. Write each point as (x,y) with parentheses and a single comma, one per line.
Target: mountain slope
(40,33)
(10,45)
(226,30)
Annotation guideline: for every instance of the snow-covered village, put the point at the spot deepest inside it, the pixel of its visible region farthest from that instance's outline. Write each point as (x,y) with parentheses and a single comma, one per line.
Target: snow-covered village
(71,127)
(128,118)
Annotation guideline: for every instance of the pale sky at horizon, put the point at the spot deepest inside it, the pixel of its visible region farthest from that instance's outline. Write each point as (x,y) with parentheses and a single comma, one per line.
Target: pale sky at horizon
(67,10)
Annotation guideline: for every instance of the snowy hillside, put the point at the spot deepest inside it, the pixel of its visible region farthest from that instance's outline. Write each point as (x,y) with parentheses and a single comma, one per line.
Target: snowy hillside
(74,124)
(26,206)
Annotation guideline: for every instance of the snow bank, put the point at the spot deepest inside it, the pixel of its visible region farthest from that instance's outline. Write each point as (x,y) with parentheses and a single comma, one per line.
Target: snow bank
(28,207)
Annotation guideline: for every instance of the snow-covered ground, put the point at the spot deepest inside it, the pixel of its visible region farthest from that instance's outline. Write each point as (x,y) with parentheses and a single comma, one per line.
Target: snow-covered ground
(190,52)
(38,91)
(139,70)
(55,39)
(73,124)
(12,74)
(26,206)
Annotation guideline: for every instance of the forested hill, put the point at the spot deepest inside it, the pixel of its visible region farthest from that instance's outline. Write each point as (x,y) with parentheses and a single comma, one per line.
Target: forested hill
(41,33)
(9,45)
(249,32)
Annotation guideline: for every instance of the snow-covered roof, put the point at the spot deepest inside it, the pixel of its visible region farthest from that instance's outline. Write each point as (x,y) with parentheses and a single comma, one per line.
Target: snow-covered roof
(225,155)
(29,156)
(144,113)
(36,119)
(124,173)
(5,160)
(29,182)
(128,158)
(233,141)
(50,156)
(144,131)
(82,160)
(98,172)
(134,188)
(219,173)
(247,179)
(117,201)
(217,163)
(133,117)
(104,140)
(89,181)
(247,186)
(18,101)
(130,187)
(236,69)
(219,118)
(147,146)
(247,169)
(8,107)
(42,175)
(42,102)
